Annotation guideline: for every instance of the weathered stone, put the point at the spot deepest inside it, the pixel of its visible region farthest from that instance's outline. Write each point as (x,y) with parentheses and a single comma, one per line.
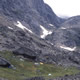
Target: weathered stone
(4,63)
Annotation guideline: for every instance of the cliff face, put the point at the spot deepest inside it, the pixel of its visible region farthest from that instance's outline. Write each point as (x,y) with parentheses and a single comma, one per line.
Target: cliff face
(38,7)
(24,23)
(32,12)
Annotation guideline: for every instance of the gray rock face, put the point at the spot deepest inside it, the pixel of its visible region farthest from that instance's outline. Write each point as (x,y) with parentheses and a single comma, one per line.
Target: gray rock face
(75,77)
(22,42)
(66,38)
(32,12)
(22,22)
(67,34)
(20,31)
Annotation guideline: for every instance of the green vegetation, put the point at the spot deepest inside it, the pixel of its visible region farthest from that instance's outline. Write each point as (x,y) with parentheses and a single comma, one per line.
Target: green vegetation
(24,69)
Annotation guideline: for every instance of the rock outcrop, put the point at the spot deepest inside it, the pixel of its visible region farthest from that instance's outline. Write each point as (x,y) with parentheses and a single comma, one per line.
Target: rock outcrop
(23,24)
(4,63)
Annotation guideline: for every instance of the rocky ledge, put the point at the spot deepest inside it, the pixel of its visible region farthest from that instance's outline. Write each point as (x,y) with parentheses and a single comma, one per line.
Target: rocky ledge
(66,77)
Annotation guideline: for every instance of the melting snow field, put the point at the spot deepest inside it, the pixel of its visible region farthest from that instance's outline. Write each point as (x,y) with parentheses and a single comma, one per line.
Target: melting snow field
(45,32)
(68,48)
(19,24)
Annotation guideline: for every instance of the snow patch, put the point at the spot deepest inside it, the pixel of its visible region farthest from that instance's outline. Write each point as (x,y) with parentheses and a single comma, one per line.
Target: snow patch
(63,28)
(68,48)
(19,24)
(45,32)
(10,27)
(51,25)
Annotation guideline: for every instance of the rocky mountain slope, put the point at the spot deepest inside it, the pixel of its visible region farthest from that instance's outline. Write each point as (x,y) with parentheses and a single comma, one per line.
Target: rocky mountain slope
(23,23)
(31,13)
(67,34)
(30,29)
(66,38)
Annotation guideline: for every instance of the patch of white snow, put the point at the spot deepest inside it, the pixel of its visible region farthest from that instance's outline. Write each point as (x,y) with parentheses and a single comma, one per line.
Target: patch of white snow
(10,27)
(68,48)
(19,24)
(63,28)
(51,25)
(45,32)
